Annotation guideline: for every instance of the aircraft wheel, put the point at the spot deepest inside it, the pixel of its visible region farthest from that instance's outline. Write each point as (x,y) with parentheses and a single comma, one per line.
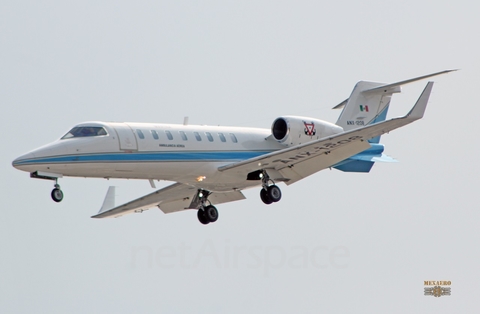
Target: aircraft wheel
(201,217)
(274,193)
(264,196)
(57,195)
(211,213)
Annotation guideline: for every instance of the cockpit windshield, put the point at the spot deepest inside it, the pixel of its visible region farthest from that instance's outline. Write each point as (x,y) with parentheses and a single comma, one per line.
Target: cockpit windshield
(85,131)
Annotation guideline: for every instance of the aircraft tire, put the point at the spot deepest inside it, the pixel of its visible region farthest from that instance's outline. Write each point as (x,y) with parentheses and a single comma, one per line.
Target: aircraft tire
(201,217)
(274,193)
(57,195)
(264,196)
(211,213)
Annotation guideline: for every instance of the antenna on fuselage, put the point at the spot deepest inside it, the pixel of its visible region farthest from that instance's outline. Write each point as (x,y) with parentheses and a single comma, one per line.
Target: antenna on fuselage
(185,120)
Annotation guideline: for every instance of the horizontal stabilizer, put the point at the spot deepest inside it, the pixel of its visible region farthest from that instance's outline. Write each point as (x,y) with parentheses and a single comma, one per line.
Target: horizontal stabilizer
(381,158)
(391,87)
(362,162)
(355,166)
(341,105)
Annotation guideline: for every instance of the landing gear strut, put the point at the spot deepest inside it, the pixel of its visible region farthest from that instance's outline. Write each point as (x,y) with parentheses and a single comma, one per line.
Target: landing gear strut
(206,213)
(57,194)
(269,193)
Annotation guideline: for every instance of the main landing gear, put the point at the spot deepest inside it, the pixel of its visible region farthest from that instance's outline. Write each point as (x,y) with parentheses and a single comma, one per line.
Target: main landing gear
(269,193)
(206,213)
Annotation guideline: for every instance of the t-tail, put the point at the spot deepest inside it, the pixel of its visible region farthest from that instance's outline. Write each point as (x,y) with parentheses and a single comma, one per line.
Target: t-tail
(369,104)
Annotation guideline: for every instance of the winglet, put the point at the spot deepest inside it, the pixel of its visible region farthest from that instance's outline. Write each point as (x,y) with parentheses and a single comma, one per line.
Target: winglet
(419,109)
(109,201)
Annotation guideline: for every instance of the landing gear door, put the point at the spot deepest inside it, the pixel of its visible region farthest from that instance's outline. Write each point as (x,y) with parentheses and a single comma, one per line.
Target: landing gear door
(126,138)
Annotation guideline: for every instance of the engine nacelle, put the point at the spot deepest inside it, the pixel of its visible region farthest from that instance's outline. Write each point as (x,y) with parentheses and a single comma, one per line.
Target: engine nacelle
(293,130)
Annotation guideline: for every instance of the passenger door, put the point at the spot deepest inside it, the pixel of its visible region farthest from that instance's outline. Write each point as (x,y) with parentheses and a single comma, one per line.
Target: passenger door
(126,138)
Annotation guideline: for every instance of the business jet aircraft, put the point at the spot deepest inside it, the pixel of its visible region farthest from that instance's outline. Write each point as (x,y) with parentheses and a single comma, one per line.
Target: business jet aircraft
(213,164)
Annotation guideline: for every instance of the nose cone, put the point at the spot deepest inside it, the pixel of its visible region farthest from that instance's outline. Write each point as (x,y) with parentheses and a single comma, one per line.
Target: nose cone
(22,160)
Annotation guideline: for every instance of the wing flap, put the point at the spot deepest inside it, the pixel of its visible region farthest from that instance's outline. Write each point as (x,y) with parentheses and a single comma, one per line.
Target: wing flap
(170,193)
(214,198)
(308,167)
(173,198)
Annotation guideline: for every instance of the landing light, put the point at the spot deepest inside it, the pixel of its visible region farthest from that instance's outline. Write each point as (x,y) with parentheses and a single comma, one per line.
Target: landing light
(201,178)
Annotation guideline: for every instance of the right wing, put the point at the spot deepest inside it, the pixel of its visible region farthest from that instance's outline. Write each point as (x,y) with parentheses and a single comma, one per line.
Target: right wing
(173,198)
(297,162)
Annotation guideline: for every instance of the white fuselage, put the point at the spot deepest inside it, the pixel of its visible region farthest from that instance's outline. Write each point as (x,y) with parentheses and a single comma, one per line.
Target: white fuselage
(188,154)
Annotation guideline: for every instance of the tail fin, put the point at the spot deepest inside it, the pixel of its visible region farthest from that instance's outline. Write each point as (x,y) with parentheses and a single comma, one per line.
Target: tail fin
(363,108)
(369,103)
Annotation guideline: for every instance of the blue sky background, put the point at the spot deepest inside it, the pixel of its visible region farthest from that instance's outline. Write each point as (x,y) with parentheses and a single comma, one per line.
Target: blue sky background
(336,243)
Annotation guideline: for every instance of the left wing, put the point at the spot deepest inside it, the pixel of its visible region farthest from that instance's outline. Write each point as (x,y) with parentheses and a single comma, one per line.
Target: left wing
(173,198)
(295,163)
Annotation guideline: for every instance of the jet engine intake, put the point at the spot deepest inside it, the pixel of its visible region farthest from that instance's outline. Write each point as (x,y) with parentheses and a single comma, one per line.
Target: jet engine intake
(294,130)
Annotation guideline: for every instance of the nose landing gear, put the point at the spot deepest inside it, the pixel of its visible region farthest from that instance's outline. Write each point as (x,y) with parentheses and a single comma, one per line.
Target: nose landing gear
(57,194)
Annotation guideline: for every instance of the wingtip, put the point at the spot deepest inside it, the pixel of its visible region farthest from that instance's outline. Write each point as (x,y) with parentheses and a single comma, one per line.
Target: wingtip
(448,71)
(418,110)
(108,202)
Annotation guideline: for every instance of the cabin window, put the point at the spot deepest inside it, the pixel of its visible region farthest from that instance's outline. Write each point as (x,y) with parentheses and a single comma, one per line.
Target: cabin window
(233,137)
(209,136)
(222,137)
(183,135)
(85,131)
(197,136)
(169,135)
(140,134)
(154,134)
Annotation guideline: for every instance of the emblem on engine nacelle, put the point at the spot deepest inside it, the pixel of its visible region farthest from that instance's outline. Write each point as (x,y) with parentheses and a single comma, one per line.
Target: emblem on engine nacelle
(309,128)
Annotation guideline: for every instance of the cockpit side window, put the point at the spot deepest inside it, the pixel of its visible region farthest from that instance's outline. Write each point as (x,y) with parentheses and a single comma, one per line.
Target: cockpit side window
(85,131)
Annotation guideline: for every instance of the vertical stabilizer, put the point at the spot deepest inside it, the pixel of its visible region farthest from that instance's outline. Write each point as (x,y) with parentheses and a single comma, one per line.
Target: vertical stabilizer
(364,107)
(369,103)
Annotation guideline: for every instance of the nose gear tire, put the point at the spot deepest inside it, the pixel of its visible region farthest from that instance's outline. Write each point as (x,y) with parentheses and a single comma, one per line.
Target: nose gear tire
(57,195)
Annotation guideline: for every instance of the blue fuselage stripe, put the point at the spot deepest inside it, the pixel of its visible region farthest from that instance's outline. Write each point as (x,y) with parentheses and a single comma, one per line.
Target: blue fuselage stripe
(145,157)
